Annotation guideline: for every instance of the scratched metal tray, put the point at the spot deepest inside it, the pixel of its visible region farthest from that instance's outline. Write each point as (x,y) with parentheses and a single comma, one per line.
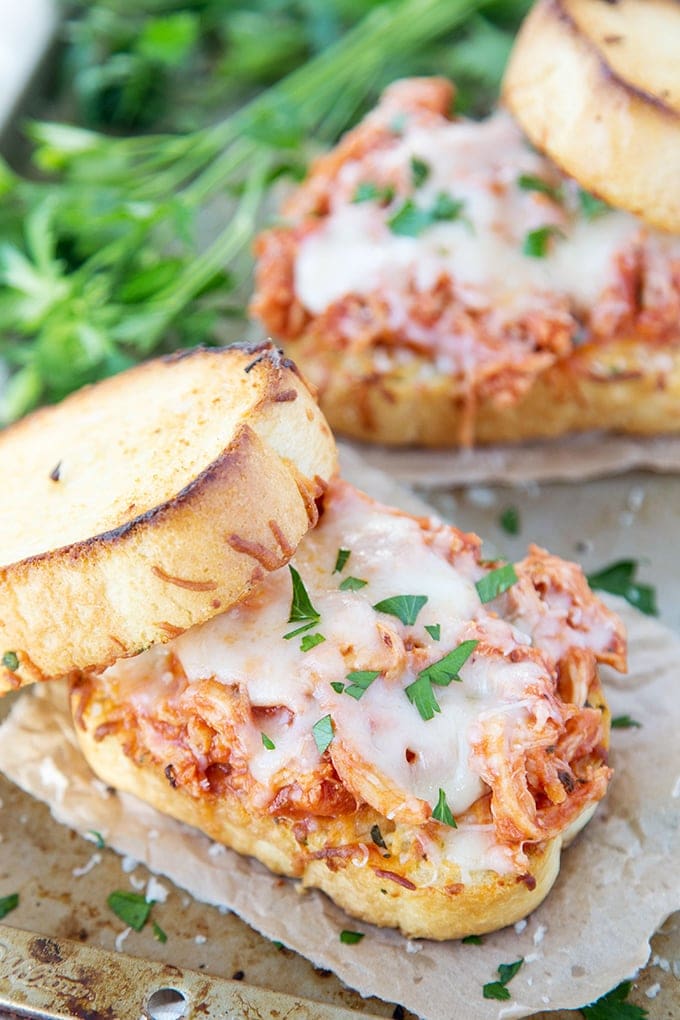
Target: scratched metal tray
(66,961)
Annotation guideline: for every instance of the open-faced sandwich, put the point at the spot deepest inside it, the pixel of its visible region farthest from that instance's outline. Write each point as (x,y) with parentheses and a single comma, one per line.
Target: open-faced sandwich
(443,282)
(348,693)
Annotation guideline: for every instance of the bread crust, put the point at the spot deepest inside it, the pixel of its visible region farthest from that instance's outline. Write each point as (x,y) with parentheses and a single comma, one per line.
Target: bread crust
(623,385)
(581,82)
(152,552)
(356,877)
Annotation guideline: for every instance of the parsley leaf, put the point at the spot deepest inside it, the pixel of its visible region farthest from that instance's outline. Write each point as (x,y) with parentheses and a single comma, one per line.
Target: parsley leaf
(310,641)
(434,630)
(497,989)
(442,811)
(10,661)
(337,686)
(420,171)
(131,907)
(342,557)
(536,242)
(410,220)
(420,694)
(300,630)
(624,722)
(613,1006)
(472,940)
(352,584)
(350,938)
(404,607)
(301,607)
(158,933)
(496,582)
(528,182)
(509,520)
(619,579)
(447,208)
(8,904)
(441,673)
(360,681)
(97,838)
(370,192)
(268,742)
(591,206)
(323,733)
(507,971)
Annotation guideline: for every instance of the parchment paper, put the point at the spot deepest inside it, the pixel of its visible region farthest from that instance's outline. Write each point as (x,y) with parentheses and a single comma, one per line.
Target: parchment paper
(618,882)
(593,455)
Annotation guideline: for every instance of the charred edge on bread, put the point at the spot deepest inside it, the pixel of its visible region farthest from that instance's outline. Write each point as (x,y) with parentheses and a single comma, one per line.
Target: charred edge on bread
(184,582)
(605,69)
(55,473)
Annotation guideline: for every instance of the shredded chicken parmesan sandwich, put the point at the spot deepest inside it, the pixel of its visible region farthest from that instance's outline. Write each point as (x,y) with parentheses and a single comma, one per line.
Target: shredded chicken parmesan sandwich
(444,283)
(346,692)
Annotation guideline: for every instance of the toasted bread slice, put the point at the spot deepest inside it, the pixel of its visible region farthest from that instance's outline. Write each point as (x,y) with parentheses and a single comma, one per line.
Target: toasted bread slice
(151,501)
(597,87)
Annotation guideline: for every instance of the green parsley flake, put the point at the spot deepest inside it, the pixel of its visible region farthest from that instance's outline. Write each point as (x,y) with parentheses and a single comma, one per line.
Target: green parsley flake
(131,907)
(341,560)
(404,607)
(353,584)
(619,579)
(158,933)
(442,812)
(591,206)
(441,673)
(337,686)
(377,837)
(10,661)
(360,681)
(497,989)
(624,722)
(301,607)
(613,1006)
(496,582)
(537,242)
(370,192)
(300,630)
(350,938)
(420,171)
(434,630)
(472,940)
(310,641)
(96,838)
(509,520)
(8,904)
(410,220)
(268,742)
(528,182)
(323,733)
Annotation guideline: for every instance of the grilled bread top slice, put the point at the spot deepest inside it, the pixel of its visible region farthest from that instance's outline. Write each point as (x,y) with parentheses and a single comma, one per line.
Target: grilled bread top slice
(151,501)
(597,87)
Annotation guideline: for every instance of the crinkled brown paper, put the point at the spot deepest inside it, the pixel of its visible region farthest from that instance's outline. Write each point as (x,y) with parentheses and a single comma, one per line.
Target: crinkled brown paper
(617,884)
(572,458)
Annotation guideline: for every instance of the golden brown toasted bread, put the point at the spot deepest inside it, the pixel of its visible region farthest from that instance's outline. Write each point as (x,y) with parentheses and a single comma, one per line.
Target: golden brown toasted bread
(151,501)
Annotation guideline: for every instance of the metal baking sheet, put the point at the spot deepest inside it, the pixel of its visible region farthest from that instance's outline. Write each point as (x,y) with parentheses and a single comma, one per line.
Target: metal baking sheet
(63,880)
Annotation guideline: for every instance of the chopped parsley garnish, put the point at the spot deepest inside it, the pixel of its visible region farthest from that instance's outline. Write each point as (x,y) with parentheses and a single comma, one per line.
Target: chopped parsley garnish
(301,607)
(537,242)
(613,1006)
(97,838)
(441,673)
(509,520)
(341,560)
(497,989)
(10,661)
(591,206)
(528,182)
(8,904)
(496,582)
(268,742)
(442,811)
(353,584)
(310,641)
(350,938)
(420,171)
(359,682)
(472,940)
(377,837)
(300,630)
(323,733)
(337,686)
(624,722)
(410,220)
(404,607)
(131,907)
(619,579)
(434,630)
(368,191)
(158,933)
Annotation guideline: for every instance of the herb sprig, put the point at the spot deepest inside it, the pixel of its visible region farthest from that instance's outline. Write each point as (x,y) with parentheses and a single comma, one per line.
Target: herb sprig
(619,579)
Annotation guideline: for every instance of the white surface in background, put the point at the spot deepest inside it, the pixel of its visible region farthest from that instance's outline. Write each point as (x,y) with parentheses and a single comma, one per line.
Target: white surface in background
(26,29)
